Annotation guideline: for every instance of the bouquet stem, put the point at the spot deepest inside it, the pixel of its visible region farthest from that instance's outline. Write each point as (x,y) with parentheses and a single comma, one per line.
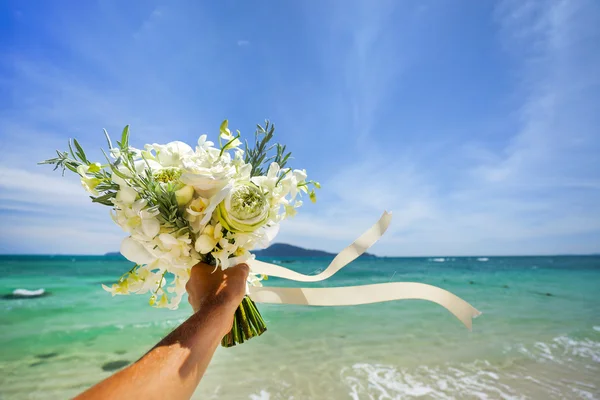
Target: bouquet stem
(247,323)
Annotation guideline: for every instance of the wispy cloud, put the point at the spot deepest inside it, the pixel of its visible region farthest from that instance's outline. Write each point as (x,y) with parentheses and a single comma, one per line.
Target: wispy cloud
(48,214)
(481,138)
(538,194)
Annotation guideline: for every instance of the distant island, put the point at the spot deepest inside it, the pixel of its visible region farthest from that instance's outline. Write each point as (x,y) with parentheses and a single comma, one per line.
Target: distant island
(288,250)
(281,250)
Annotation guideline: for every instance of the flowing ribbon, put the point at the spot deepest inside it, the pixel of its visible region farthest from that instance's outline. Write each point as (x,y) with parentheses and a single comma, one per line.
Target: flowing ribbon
(353,295)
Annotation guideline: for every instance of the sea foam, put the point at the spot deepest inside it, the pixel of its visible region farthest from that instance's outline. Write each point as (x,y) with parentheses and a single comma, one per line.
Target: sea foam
(482,379)
(476,380)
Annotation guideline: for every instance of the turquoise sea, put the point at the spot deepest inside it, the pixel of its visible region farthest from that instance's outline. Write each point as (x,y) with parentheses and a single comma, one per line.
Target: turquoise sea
(538,337)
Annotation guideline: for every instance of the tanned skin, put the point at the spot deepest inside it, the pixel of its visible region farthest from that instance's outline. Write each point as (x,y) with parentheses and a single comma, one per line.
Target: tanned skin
(174,367)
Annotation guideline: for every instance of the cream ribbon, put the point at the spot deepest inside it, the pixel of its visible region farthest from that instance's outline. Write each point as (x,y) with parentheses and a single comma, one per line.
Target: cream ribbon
(353,295)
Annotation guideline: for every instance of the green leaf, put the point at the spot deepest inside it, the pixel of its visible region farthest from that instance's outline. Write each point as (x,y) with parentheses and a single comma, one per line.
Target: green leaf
(104,199)
(80,152)
(71,167)
(113,168)
(125,138)
(107,139)
(71,149)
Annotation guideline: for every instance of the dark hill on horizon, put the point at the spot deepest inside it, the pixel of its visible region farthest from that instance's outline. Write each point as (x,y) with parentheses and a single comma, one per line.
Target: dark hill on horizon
(288,250)
(282,250)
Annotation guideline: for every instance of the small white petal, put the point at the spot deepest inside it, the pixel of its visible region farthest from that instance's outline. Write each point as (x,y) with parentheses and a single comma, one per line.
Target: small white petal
(150,227)
(82,170)
(214,202)
(118,180)
(273,170)
(205,244)
(167,239)
(135,252)
(126,194)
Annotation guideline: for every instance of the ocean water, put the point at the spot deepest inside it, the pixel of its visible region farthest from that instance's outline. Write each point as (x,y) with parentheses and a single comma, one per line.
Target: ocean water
(538,337)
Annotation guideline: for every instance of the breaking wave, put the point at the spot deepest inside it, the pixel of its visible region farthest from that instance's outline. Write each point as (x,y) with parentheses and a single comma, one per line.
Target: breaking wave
(569,371)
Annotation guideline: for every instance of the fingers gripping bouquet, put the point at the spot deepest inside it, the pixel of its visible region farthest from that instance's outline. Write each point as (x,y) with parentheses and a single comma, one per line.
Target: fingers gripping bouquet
(181,206)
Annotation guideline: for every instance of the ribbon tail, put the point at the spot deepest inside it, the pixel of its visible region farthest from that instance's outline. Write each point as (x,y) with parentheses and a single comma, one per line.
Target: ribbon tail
(366,294)
(346,256)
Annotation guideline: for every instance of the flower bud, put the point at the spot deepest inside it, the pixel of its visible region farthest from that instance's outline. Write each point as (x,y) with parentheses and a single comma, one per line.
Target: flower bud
(184,195)
(245,209)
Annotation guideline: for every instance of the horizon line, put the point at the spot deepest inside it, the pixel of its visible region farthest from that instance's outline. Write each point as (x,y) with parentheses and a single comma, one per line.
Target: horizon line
(377,256)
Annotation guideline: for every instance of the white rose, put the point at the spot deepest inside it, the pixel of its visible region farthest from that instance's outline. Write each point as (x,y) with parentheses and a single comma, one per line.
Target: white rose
(207,180)
(172,154)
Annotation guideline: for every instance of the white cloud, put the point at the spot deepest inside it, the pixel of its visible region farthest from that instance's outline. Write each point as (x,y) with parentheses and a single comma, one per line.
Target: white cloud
(538,195)
(52,214)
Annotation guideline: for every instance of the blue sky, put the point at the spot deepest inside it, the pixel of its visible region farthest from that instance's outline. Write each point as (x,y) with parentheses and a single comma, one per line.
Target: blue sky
(476,123)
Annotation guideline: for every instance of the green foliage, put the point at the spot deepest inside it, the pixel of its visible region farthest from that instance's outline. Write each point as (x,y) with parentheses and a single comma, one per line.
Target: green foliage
(160,195)
(261,155)
(63,161)
(158,192)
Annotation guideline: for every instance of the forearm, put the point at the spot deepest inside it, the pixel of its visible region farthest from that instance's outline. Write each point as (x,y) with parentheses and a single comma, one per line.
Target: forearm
(174,367)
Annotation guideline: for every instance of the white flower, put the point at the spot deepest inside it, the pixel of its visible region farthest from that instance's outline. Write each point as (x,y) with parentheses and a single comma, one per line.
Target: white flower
(243,170)
(89,184)
(137,218)
(137,281)
(221,258)
(171,154)
(214,203)
(294,181)
(135,252)
(200,210)
(290,208)
(126,195)
(203,144)
(117,288)
(118,180)
(268,182)
(195,212)
(229,140)
(142,165)
(244,209)
(174,249)
(265,236)
(178,288)
(207,178)
(206,242)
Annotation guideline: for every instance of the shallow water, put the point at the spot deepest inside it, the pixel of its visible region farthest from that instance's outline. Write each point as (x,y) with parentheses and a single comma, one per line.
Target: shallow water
(539,336)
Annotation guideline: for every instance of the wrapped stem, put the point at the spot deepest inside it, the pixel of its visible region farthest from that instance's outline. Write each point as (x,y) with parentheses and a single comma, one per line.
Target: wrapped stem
(247,323)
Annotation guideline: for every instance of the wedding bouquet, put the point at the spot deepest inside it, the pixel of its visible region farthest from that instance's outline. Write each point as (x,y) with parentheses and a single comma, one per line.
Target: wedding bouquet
(181,206)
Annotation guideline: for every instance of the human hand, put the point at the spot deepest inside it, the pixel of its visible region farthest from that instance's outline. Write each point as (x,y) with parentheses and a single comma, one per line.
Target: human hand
(210,287)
